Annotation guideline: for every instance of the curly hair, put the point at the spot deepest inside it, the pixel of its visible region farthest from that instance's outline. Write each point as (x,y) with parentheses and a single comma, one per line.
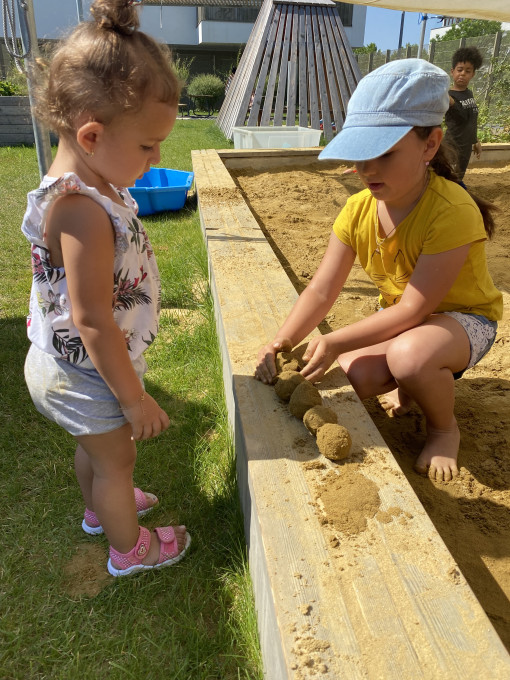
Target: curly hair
(469,54)
(105,68)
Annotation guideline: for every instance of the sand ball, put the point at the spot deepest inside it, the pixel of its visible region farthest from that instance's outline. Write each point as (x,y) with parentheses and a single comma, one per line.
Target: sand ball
(334,441)
(286,362)
(287,383)
(317,417)
(304,397)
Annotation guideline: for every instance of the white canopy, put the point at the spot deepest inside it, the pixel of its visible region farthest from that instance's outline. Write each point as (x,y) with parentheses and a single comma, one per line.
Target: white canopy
(495,10)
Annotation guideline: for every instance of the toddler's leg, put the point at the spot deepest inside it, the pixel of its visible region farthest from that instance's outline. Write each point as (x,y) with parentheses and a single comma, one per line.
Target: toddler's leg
(85,476)
(112,459)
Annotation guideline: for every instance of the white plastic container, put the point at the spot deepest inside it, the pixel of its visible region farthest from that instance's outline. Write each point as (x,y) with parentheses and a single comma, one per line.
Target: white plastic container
(271,137)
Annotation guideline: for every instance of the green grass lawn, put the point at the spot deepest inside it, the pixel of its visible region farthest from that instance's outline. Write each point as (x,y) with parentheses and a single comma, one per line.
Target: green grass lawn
(61,615)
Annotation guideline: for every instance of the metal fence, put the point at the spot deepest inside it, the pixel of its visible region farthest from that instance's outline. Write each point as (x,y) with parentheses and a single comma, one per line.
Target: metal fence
(495,50)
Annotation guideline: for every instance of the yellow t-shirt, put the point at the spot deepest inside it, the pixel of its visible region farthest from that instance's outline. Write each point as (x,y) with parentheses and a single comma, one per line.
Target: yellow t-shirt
(446,217)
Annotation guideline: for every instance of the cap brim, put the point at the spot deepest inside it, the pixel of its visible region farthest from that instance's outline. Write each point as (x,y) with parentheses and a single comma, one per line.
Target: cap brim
(363,143)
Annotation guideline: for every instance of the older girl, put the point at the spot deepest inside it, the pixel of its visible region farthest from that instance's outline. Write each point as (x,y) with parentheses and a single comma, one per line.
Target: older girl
(420,237)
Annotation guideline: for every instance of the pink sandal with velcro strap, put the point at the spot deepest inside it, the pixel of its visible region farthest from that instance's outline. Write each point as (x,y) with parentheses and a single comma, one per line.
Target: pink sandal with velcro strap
(131,562)
(90,524)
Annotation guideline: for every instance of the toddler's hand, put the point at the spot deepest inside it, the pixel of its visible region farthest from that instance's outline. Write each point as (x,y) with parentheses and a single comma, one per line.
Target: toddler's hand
(146,417)
(319,355)
(265,370)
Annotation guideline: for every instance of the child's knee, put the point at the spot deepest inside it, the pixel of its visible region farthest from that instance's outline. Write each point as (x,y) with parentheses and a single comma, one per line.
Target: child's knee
(362,372)
(404,358)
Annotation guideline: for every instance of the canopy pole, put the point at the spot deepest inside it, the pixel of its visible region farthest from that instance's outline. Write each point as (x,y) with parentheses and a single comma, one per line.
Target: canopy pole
(29,39)
(422,37)
(401,30)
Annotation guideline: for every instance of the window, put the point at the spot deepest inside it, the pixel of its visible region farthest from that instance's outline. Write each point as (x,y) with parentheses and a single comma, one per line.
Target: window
(245,15)
(345,11)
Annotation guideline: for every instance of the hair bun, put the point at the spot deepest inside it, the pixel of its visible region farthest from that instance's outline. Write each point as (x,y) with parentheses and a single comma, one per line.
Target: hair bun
(116,15)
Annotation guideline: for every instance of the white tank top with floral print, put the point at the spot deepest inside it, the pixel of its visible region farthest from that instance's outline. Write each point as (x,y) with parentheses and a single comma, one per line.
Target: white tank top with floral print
(136,290)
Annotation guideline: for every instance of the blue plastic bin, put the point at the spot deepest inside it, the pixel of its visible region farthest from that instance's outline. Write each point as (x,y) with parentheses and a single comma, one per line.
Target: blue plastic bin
(161,189)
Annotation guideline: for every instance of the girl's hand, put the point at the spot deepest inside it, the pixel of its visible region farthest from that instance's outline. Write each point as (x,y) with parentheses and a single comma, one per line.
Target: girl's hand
(265,370)
(319,355)
(146,417)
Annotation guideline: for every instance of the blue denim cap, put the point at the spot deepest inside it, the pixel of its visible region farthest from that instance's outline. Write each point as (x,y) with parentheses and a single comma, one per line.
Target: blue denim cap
(386,105)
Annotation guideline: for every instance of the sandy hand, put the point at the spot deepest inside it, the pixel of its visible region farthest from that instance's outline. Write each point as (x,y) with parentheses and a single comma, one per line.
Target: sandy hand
(146,417)
(265,370)
(320,354)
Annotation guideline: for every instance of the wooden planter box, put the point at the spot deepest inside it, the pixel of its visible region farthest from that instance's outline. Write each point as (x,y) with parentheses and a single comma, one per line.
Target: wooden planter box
(386,603)
(16,122)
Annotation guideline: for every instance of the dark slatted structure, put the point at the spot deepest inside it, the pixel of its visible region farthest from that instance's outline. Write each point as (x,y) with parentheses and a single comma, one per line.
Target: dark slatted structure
(297,69)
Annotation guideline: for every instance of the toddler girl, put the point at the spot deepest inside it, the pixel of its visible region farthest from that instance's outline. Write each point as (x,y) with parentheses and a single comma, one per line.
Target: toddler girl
(111,95)
(420,237)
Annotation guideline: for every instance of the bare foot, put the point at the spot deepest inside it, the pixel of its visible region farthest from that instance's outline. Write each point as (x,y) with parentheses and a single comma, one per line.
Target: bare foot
(438,460)
(396,403)
(153,554)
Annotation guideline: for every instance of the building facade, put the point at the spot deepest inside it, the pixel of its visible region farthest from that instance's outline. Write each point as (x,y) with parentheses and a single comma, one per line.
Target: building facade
(213,37)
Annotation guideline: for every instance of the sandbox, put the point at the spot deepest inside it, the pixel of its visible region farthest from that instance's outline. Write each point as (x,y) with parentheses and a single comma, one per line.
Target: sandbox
(354,585)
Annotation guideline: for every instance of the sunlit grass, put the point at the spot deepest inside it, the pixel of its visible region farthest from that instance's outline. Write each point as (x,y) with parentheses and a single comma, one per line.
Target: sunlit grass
(191,622)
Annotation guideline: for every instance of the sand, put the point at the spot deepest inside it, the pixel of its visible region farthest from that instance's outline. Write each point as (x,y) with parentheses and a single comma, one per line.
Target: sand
(334,441)
(296,208)
(318,416)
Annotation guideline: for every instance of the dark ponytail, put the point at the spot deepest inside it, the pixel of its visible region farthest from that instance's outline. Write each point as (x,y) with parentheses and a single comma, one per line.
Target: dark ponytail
(443,165)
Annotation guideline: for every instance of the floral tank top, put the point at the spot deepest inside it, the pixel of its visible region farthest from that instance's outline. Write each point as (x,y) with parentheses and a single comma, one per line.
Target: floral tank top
(136,290)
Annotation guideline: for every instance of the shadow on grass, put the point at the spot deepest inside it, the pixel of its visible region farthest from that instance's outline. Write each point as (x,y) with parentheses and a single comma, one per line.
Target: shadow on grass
(181,621)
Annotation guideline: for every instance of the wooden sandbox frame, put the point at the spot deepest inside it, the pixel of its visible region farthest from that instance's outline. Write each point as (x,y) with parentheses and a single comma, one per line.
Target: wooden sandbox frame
(325,609)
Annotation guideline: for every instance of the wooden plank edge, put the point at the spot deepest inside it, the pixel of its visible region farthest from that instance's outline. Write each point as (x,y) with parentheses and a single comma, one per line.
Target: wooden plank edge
(272,647)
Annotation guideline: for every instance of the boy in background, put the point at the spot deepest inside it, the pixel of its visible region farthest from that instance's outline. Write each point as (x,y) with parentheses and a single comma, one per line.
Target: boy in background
(462,117)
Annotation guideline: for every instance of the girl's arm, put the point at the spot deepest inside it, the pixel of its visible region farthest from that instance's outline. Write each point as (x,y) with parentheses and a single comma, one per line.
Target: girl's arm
(430,282)
(85,235)
(311,307)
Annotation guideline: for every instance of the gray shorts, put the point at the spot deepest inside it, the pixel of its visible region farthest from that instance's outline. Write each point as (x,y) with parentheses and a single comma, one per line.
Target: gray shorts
(481,333)
(74,396)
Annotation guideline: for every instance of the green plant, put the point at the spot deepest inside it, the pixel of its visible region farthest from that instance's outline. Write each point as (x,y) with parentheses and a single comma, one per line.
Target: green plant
(366,49)
(182,67)
(206,85)
(469,28)
(493,117)
(17,80)
(9,89)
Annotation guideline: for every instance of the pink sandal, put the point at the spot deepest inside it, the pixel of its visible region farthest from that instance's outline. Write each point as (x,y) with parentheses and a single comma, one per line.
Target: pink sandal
(131,562)
(90,524)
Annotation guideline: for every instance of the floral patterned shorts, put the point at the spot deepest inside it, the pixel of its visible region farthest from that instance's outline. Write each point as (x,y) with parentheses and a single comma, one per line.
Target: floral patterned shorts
(481,333)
